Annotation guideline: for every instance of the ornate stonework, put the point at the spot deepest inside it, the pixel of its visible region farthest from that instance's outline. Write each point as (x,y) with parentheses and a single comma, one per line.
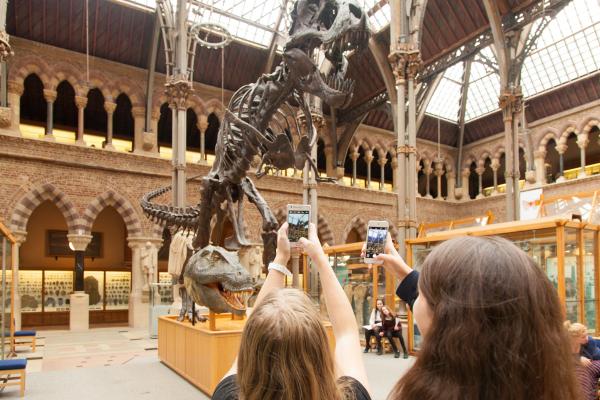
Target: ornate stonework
(5,117)
(5,49)
(178,89)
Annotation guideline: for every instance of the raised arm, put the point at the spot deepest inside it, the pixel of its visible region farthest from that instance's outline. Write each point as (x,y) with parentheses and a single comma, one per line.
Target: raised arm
(348,356)
(275,280)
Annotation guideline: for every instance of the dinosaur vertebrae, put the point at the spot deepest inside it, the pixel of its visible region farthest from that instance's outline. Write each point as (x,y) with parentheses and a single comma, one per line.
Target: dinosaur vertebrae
(178,217)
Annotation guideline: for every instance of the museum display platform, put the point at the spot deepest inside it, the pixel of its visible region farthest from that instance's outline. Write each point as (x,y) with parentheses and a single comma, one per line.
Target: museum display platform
(201,355)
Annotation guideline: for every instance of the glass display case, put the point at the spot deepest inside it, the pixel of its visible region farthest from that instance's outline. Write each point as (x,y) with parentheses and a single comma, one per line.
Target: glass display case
(362,285)
(58,286)
(566,250)
(30,290)
(118,287)
(93,285)
(164,291)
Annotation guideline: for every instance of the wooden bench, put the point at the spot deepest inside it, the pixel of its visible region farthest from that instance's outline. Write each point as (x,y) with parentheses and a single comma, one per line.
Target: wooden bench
(20,338)
(13,367)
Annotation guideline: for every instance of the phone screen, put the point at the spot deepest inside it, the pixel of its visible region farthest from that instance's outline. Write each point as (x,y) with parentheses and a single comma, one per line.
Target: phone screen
(298,224)
(376,237)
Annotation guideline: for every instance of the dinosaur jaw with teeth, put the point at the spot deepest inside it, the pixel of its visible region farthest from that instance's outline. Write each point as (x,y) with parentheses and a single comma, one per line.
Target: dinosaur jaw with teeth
(236,299)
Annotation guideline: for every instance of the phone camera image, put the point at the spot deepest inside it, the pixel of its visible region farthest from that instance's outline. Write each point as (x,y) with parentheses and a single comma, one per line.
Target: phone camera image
(376,237)
(298,224)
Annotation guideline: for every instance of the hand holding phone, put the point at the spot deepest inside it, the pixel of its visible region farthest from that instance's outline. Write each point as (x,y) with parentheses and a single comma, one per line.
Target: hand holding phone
(298,220)
(376,238)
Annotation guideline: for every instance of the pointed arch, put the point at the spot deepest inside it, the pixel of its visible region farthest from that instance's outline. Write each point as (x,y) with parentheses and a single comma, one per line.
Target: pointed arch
(324,231)
(123,207)
(46,192)
(357,223)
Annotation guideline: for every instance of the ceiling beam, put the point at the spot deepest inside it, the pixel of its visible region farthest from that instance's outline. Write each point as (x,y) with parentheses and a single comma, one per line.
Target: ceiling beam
(510,22)
(464,94)
(273,44)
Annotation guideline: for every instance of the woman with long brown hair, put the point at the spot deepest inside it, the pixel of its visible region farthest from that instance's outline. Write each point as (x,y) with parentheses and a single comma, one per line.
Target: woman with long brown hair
(491,324)
(284,352)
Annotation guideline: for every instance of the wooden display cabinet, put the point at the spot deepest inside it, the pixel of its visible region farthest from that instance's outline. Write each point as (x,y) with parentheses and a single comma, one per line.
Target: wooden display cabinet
(567,250)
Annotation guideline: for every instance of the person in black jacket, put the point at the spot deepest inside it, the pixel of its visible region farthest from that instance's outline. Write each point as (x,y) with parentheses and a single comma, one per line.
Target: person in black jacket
(391,328)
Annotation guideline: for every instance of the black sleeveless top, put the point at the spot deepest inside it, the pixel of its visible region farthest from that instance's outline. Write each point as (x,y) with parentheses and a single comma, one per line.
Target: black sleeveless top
(228,389)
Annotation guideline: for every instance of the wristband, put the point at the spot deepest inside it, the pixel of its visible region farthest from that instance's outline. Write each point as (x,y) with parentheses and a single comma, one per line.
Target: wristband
(279,268)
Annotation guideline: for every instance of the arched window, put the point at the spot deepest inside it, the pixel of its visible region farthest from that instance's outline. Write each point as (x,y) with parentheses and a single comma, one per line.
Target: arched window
(488,174)
(123,118)
(552,162)
(502,169)
(95,117)
(348,164)
(65,110)
(375,170)
(33,104)
(321,158)
(388,170)
(361,165)
(473,181)
(212,133)
(572,156)
(192,134)
(165,126)
(593,149)
(421,179)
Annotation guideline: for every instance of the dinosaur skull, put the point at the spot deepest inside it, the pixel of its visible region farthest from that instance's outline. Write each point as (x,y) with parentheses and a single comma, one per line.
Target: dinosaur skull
(215,278)
(337,27)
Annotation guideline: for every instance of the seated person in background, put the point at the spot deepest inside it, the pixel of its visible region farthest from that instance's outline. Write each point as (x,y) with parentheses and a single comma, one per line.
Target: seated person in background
(391,328)
(284,351)
(586,369)
(375,324)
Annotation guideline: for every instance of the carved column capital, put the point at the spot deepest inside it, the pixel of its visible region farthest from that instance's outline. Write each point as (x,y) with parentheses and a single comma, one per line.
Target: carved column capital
(202,124)
(368,156)
(79,242)
(354,155)
(405,61)
(451,174)
(382,162)
(394,163)
(15,87)
(50,95)
(81,101)
(480,170)
(511,102)
(466,172)
(398,61)
(138,112)
(5,49)
(539,154)
(110,107)
(178,89)
(583,140)
(414,64)
(495,164)
(561,148)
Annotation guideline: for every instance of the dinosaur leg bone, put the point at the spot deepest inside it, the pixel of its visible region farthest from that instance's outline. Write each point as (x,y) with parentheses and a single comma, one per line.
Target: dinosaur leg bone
(270,224)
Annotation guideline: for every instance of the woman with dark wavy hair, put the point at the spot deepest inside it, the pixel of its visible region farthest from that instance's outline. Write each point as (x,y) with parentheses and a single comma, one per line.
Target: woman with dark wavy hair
(491,324)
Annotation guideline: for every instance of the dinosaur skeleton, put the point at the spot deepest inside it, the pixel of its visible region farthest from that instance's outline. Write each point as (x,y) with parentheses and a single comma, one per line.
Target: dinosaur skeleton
(256,124)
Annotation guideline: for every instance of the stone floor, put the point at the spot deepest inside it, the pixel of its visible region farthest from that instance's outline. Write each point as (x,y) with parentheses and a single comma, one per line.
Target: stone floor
(122,363)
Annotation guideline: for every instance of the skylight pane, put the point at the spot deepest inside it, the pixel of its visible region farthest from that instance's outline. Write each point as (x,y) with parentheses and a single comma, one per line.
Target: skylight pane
(379,13)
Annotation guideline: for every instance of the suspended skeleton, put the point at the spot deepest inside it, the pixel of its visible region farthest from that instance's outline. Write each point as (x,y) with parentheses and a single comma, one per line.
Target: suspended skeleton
(255,124)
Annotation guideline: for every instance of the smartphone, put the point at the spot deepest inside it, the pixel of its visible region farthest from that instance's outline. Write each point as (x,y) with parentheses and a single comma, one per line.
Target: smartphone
(376,236)
(298,219)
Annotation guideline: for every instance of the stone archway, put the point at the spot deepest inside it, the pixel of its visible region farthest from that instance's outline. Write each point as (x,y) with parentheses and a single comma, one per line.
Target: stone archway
(123,207)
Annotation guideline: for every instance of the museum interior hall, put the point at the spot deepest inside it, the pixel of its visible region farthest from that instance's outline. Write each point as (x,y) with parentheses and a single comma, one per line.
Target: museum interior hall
(151,150)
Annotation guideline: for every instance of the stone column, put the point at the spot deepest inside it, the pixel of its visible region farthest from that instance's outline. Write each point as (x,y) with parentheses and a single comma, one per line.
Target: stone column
(439,172)
(329,161)
(79,316)
(394,169)
(339,173)
(582,142)
(495,167)
(418,168)
(50,96)
(80,102)
(465,184)
(382,162)
(428,171)
(20,237)
(143,142)
(540,167)
(10,118)
(450,184)
(202,125)
(109,107)
(354,156)
(369,160)
(479,171)
(144,267)
(561,148)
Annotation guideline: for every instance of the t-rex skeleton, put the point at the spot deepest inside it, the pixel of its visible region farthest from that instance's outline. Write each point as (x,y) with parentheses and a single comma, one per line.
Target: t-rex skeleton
(251,126)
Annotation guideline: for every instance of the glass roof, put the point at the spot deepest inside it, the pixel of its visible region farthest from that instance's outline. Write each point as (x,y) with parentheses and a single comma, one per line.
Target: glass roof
(567,49)
(254,20)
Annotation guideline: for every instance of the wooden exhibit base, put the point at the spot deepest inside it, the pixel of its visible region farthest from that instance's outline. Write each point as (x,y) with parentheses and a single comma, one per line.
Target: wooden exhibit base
(201,355)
